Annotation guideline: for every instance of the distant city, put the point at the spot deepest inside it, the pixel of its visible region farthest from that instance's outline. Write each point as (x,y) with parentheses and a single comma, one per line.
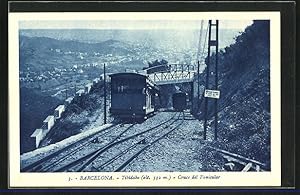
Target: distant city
(126,49)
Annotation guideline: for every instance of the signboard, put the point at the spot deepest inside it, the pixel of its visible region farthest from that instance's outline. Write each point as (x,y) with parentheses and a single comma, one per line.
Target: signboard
(212,93)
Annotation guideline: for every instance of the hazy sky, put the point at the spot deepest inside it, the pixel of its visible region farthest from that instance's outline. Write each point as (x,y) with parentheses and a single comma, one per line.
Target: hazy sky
(138,24)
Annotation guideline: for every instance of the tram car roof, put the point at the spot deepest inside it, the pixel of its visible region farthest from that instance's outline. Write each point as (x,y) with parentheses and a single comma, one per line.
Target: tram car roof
(132,74)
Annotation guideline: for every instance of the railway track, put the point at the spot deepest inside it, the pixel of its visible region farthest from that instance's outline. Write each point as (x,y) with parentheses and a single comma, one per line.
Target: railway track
(102,154)
(119,158)
(118,162)
(50,160)
(236,162)
(73,157)
(88,157)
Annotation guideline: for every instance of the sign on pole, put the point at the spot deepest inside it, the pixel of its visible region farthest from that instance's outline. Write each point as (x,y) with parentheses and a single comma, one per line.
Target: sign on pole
(212,93)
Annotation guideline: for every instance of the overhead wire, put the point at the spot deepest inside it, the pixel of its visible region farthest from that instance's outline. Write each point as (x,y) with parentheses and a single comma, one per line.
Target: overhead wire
(199,43)
(205,38)
(201,57)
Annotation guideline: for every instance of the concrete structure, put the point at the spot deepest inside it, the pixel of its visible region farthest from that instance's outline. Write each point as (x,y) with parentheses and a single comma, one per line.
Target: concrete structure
(101,77)
(107,77)
(142,71)
(49,122)
(96,80)
(38,135)
(58,111)
(88,87)
(80,92)
(68,101)
(130,70)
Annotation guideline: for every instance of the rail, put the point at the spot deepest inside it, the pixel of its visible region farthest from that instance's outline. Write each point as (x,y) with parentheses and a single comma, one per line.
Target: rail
(83,162)
(247,163)
(39,165)
(136,154)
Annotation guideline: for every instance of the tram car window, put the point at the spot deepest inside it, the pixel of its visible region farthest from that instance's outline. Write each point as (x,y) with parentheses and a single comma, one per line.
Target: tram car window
(132,95)
(179,101)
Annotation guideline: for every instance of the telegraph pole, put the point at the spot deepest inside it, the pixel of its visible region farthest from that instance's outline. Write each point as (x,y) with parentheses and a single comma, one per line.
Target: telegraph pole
(209,93)
(198,67)
(216,79)
(200,40)
(104,88)
(206,82)
(66,93)
(198,84)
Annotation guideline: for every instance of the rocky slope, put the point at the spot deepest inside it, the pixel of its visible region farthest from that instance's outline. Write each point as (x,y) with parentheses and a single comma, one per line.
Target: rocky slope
(34,107)
(244,105)
(85,112)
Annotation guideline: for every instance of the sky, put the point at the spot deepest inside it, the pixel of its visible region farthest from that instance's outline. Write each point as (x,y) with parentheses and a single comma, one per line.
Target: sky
(130,24)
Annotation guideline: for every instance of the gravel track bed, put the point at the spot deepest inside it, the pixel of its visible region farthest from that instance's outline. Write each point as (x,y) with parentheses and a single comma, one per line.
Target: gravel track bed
(113,133)
(176,152)
(137,128)
(150,137)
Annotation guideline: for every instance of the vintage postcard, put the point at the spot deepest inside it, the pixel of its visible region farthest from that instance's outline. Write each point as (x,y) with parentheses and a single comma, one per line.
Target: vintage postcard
(144,99)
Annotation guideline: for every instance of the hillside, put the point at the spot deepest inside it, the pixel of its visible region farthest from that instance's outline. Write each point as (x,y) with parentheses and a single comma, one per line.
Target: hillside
(244,105)
(51,70)
(35,107)
(45,43)
(43,53)
(159,38)
(85,112)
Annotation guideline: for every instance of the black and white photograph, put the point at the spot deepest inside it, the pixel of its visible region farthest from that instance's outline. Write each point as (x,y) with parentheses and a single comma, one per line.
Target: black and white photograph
(145,94)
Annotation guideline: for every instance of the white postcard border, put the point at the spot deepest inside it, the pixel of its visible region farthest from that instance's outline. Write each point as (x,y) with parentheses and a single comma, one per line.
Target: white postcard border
(18,179)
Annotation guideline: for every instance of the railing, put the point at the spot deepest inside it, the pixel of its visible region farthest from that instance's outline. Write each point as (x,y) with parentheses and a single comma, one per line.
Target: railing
(175,73)
(182,68)
(171,68)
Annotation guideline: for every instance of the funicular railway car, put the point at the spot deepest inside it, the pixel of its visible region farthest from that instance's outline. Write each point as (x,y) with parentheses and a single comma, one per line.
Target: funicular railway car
(132,95)
(179,101)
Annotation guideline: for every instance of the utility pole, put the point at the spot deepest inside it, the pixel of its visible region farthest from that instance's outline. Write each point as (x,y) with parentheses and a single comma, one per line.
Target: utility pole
(216,79)
(212,43)
(198,67)
(206,81)
(198,84)
(199,43)
(104,88)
